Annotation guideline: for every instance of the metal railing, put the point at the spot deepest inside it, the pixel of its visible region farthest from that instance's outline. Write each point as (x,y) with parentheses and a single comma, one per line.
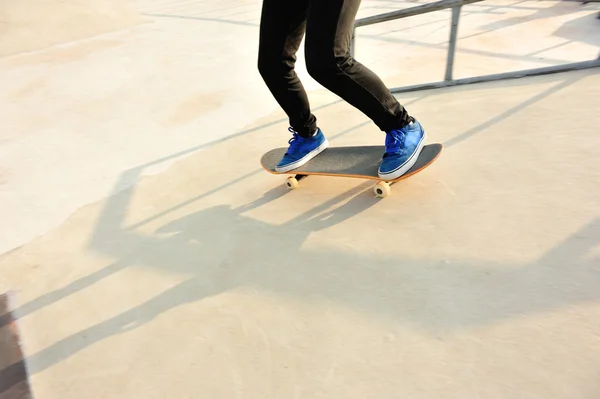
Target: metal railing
(456,6)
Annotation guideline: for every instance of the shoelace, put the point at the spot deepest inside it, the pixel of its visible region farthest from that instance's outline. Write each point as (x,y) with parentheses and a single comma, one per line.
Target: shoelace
(295,141)
(393,141)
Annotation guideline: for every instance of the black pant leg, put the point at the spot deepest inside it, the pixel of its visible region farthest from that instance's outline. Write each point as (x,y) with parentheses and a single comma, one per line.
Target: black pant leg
(328,35)
(282,27)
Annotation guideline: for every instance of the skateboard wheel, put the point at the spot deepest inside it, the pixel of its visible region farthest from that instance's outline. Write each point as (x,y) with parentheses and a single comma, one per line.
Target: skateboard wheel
(382,189)
(291,183)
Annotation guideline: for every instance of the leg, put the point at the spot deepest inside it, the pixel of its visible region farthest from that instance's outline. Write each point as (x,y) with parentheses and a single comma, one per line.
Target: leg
(282,27)
(329,30)
(283,23)
(328,59)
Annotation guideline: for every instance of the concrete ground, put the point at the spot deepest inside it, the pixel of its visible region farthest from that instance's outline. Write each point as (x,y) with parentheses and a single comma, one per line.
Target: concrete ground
(145,266)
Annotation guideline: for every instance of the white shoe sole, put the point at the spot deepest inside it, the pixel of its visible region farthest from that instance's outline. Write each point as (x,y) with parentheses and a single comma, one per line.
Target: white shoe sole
(408,164)
(307,157)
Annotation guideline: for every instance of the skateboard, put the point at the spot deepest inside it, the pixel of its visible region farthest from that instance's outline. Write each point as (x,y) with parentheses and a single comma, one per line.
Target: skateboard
(360,162)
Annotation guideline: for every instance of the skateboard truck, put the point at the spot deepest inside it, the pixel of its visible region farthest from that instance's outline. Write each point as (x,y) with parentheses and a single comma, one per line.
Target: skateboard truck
(381,189)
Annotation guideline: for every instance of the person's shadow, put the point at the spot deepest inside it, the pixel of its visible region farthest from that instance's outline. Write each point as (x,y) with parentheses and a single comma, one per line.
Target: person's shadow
(220,250)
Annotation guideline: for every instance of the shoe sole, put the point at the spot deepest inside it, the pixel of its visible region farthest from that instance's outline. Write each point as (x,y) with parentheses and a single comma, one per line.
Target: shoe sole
(303,161)
(407,165)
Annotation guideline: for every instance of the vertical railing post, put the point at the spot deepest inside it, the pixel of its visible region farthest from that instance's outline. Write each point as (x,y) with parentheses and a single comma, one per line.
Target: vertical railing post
(353,42)
(452,43)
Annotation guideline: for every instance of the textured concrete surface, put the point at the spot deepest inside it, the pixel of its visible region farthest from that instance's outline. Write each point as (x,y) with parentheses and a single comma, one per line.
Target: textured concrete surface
(148,267)
(29,25)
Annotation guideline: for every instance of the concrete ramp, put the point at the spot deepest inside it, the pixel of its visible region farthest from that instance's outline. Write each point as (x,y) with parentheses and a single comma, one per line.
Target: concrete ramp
(152,257)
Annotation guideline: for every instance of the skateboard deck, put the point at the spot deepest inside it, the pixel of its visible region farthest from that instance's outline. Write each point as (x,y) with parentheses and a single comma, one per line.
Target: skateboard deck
(351,161)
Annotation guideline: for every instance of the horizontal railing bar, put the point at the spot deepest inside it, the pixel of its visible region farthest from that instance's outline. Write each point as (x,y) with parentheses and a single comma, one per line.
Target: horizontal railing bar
(408,12)
(500,76)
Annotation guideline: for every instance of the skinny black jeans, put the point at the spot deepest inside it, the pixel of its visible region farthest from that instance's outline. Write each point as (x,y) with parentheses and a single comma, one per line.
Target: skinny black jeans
(328,26)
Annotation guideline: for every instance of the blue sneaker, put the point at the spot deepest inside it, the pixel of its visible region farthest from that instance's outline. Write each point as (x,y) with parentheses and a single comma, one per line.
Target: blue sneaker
(301,150)
(402,148)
